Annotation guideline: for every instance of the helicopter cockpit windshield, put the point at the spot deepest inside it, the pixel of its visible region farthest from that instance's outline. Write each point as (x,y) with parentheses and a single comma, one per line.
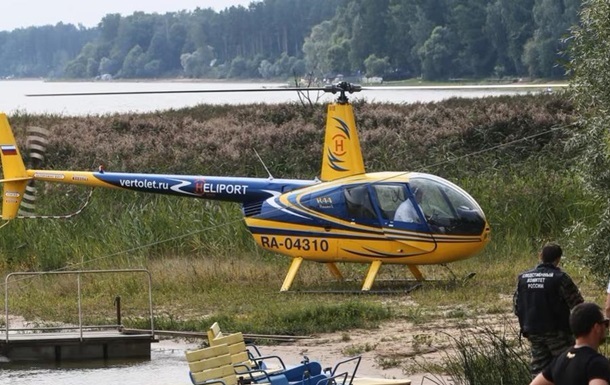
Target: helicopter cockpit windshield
(447,208)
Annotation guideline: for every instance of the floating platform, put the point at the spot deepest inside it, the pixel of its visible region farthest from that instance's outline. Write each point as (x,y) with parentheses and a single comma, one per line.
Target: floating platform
(71,346)
(76,342)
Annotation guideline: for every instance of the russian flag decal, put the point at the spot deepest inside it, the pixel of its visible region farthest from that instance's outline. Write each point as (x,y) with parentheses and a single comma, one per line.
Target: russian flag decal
(8,149)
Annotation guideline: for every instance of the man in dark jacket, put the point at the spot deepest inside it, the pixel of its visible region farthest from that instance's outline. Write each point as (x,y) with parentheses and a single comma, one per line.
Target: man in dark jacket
(543,300)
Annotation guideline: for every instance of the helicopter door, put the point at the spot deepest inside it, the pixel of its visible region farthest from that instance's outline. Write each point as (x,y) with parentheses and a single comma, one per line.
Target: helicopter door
(402,218)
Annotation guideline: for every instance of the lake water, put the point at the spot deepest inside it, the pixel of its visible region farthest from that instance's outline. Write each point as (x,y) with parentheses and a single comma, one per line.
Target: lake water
(166,366)
(13,96)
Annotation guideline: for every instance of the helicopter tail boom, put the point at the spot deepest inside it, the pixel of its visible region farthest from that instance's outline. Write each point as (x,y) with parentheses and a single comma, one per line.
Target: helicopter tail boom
(15,177)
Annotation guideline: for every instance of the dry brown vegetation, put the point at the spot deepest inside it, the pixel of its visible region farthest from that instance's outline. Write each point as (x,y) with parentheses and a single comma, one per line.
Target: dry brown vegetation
(218,140)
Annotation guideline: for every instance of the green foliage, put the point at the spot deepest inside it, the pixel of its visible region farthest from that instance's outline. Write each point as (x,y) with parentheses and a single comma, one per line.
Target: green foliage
(376,66)
(437,55)
(590,71)
(434,39)
(279,319)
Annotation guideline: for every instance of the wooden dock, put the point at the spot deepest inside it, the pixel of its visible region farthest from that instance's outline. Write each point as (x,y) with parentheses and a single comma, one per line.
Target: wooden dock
(71,346)
(76,342)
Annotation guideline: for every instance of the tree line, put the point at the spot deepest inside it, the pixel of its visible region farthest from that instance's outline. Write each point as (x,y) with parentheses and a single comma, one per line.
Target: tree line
(432,39)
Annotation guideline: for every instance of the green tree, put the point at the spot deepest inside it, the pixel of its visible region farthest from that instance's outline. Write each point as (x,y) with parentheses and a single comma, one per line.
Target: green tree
(159,51)
(369,31)
(77,68)
(421,27)
(316,48)
(498,36)
(92,68)
(198,64)
(486,38)
(109,27)
(542,51)
(266,69)
(131,64)
(437,55)
(475,54)
(400,37)
(517,18)
(337,57)
(590,77)
(376,66)
(109,66)
(239,68)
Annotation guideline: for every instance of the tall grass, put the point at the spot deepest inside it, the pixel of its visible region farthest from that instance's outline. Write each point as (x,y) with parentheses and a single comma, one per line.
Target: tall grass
(300,318)
(487,356)
(204,261)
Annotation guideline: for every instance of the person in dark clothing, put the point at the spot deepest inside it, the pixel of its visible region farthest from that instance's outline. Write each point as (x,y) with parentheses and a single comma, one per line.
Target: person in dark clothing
(542,302)
(581,364)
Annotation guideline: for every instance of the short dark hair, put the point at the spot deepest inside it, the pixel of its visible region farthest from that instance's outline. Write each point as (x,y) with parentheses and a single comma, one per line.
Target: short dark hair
(583,317)
(551,252)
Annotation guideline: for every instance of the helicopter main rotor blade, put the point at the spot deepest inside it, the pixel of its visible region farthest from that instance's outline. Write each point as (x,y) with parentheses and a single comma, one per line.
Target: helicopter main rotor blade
(341,87)
(465,87)
(180,91)
(333,88)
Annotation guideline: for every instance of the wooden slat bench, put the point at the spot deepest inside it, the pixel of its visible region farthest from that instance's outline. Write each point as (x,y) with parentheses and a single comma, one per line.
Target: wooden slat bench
(211,365)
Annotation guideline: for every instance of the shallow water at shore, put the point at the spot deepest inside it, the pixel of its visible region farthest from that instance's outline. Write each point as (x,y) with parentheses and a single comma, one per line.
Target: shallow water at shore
(166,366)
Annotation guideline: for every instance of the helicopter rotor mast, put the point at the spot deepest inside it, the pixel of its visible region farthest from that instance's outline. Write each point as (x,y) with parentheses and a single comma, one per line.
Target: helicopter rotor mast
(342,88)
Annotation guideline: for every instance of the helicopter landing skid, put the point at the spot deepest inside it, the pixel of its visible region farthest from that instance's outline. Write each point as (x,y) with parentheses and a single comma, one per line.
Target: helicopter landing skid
(386,286)
(388,291)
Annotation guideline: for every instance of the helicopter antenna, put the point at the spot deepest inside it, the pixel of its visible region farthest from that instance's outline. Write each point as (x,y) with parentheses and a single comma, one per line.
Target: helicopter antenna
(263,163)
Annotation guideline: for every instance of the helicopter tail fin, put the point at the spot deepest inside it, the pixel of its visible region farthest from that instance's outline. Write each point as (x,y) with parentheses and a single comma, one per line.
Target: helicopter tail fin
(15,177)
(342,155)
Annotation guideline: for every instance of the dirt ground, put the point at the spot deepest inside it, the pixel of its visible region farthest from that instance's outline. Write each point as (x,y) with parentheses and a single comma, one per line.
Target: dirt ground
(396,350)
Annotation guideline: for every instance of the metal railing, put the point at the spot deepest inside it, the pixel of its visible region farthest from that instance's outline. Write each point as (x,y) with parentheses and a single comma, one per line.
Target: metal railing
(78,273)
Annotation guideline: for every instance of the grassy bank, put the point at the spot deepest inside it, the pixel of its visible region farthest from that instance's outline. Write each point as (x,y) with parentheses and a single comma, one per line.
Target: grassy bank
(508,152)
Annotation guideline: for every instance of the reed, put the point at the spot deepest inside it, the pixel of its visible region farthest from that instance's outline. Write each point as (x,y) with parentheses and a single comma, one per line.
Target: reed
(205,264)
(487,356)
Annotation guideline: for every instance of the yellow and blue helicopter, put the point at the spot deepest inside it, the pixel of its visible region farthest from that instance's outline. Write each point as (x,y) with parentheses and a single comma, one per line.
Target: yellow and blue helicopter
(345,215)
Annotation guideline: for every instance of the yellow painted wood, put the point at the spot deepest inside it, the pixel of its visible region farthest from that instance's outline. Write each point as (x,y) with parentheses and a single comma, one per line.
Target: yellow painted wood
(230,339)
(241,358)
(237,348)
(201,354)
(210,363)
(214,332)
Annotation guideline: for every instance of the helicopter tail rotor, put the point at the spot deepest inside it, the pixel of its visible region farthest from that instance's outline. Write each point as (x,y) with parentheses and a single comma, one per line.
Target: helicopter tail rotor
(36,144)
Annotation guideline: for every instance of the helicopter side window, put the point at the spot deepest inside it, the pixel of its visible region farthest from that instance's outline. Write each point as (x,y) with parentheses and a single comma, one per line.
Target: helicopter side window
(327,202)
(358,202)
